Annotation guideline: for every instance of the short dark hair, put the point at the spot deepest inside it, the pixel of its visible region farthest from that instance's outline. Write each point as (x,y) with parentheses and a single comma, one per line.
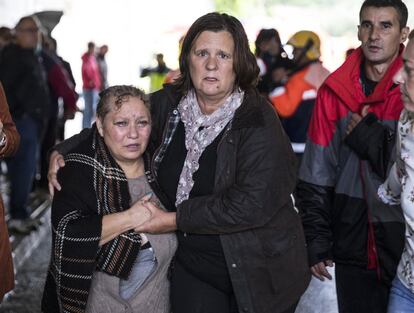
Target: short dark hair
(91,45)
(411,35)
(398,5)
(6,33)
(265,34)
(119,94)
(244,62)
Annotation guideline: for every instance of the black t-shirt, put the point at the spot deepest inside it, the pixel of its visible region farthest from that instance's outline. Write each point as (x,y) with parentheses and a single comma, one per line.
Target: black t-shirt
(201,255)
(368,85)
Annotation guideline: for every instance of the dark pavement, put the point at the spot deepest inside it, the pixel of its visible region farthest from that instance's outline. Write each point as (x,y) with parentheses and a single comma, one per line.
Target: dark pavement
(30,279)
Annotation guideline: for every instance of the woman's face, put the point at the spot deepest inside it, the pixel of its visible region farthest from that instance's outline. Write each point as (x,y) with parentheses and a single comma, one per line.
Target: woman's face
(211,66)
(126,130)
(28,34)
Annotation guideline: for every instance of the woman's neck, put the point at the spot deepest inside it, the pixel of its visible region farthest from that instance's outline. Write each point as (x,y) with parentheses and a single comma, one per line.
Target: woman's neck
(133,169)
(209,106)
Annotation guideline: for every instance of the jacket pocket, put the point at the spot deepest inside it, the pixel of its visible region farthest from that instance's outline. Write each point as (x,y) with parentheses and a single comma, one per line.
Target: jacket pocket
(276,242)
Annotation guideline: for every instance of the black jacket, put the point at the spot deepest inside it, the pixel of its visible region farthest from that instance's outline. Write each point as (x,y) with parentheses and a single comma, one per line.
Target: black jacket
(343,217)
(251,207)
(25,83)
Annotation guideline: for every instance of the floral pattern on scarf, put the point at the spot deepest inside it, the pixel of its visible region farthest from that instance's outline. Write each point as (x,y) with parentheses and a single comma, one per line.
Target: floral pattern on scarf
(200,131)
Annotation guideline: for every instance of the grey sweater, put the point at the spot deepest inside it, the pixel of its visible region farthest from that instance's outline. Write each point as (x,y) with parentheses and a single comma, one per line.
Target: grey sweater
(153,295)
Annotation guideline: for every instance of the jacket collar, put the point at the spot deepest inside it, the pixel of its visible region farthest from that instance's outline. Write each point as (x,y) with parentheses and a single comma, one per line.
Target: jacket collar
(345,82)
(249,114)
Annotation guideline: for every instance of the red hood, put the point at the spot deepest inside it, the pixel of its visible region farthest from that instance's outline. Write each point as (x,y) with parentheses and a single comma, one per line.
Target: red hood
(344,80)
(86,56)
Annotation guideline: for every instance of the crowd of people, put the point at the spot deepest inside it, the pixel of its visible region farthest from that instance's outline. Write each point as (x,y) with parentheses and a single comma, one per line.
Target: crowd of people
(229,187)
(40,89)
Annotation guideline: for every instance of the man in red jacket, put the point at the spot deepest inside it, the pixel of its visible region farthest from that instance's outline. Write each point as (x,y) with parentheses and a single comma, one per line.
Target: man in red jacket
(347,155)
(91,78)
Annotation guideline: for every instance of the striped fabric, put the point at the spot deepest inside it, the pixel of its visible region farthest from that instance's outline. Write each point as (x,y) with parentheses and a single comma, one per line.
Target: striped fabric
(93,185)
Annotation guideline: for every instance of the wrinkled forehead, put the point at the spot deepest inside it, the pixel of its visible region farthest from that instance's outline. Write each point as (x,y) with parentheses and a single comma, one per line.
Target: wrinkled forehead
(117,103)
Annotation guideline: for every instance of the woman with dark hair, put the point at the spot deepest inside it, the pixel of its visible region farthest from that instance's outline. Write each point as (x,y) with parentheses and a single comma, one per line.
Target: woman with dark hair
(271,59)
(228,171)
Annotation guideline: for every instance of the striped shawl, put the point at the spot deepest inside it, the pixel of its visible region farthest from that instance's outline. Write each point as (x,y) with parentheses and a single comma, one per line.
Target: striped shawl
(93,185)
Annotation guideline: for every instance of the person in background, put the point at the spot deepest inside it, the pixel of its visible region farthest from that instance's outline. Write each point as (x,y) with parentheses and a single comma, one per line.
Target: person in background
(271,59)
(227,170)
(156,74)
(294,100)
(174,74)
(61,89)
(99,263)
(399,187)
(25,83)
(9,143)
(103,66)
(349,150)
(92,83)
(68,112)
(6,37)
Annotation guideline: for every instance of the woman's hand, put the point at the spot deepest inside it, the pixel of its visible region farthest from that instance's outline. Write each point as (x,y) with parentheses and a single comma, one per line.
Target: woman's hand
(56,161)
(160,221)
(117,223)
(139,213)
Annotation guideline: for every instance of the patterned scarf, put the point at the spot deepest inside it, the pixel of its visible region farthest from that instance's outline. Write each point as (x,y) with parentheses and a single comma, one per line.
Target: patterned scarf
(112,194)
(76,221)
(200,131)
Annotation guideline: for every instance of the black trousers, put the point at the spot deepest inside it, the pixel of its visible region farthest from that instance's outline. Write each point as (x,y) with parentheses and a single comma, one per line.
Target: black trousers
(192,295)
(359,290)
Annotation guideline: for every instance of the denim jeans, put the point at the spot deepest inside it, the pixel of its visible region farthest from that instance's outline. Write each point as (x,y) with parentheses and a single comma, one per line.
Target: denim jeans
(22,167)
(90,97)
(401,298)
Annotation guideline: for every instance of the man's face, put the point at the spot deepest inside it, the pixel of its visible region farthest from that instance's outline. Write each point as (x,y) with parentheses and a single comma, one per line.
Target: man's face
(405,77)
(27,34)
(380,34)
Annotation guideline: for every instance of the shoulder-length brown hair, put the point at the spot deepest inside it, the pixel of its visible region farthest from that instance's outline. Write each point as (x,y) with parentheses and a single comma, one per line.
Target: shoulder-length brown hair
(244,62)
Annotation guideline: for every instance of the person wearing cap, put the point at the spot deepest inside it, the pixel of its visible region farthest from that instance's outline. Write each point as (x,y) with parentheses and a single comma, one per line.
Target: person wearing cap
(348,153)
(295,100)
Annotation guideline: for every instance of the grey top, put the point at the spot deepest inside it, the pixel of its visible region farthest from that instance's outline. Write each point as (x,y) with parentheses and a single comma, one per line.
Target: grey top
(152,296)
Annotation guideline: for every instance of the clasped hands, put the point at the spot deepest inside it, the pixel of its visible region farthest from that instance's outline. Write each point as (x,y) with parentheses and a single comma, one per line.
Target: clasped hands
(148,217)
